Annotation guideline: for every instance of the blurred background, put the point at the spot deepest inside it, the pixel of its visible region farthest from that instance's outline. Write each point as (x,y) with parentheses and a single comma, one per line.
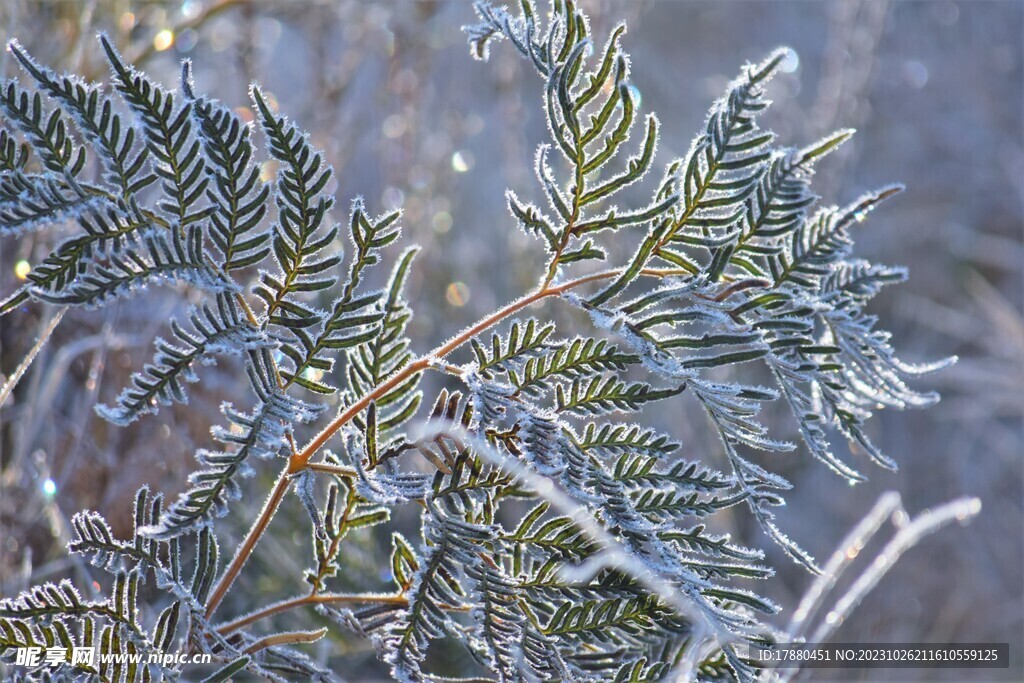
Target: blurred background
(408,118)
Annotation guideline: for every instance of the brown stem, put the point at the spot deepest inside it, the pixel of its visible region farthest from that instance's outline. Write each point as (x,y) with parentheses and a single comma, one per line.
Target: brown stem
(346,472)
(245,550)
(300,461)
(319,599)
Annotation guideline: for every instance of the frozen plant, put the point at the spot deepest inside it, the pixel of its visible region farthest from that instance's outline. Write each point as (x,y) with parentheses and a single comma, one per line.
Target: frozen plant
(561,538)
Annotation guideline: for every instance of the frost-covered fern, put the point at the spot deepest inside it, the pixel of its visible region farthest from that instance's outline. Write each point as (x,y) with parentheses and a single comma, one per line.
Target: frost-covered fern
(561,538)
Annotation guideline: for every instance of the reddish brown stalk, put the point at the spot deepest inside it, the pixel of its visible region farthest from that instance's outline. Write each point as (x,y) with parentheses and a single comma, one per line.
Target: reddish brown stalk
(318,599)
(245,550)
(300,460)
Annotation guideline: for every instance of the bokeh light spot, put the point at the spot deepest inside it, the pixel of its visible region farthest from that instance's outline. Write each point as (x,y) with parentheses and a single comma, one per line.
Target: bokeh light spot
(394,126)
(462,161)
(442,222)
(190,9)
(163,40)
(457,294)
(186,40)
(268,170)
(915,74)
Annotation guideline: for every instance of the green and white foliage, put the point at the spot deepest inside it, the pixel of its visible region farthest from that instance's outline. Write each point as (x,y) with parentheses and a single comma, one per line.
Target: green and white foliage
(56,615)
(730,266)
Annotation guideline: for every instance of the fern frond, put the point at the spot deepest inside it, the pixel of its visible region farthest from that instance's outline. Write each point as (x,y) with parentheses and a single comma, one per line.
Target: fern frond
(618,438)
(452,545)
(48,133)
(108,228)
(29,202)
(558,536)
(262,433)
(579,357)
(778,206)
(302,230)
(355,318)
(664,505)
(238,195)
(373,361)
(859,281)
(167,128)
(615,621)
(178,257)
(591,115)
(725,161)
(215,331)
(823,240)
(639,470)
(522,341)
(602,395)
(95,115)
(498,617)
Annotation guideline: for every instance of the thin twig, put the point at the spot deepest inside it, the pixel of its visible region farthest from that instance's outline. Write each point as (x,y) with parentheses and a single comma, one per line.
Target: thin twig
(245,550)
(20,370)
(928,522)
(848,549)
(302,601)
(346,472)
(300,460)
(193,23)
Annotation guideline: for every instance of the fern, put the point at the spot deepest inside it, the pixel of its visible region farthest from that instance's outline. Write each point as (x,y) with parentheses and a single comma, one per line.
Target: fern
(215,330)
(178,258)
(98,121)
(557,541)
(300,232)
(240,201)
(169,138)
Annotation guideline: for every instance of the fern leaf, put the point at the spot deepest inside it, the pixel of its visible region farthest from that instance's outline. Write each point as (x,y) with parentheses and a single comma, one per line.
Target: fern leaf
(262,433)
(778,206)
(302,230)
(498,617)
(167,128)
(723,165)
(374,361)
(823,240)
(641,471)
(355,319)
(177,258)
(601,395)
(215,331)
(522,341)
(452,543)
(95,115)
(618,438)
(580,357)
(31,202)
(238,196)
(107,229)
(48,134)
